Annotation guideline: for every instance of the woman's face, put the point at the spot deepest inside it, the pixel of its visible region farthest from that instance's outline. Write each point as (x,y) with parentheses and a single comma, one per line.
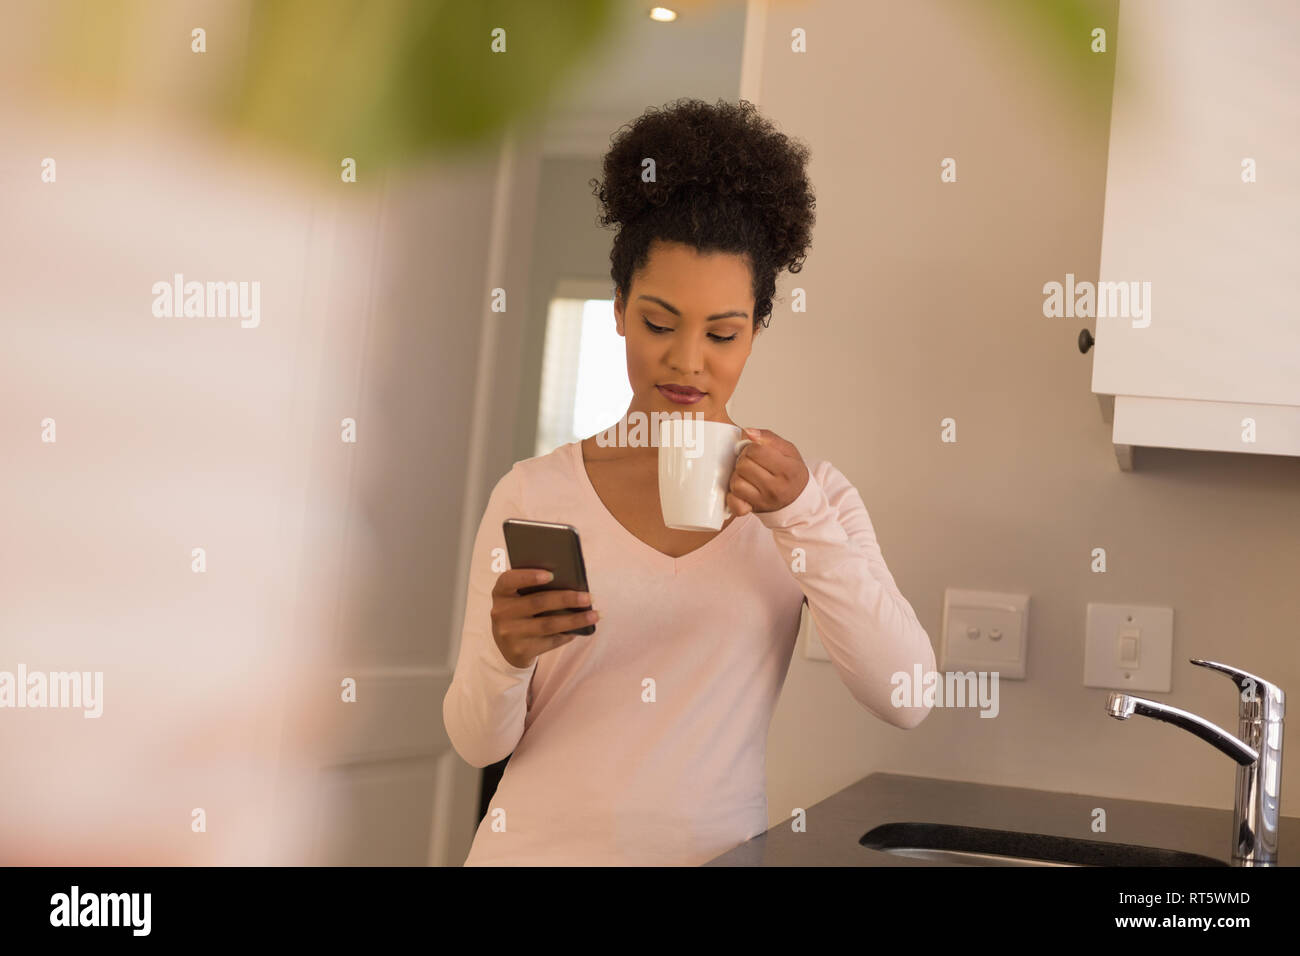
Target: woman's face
(677,291)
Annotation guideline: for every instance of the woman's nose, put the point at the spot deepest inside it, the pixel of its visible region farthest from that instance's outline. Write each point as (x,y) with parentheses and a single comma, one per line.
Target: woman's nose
(686,359)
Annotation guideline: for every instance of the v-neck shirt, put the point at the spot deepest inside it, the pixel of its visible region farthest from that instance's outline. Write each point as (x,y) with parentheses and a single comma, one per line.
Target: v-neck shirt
(644,743)
(668,562)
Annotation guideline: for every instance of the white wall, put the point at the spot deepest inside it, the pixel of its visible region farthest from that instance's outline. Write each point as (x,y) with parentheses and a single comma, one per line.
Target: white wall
(925,302)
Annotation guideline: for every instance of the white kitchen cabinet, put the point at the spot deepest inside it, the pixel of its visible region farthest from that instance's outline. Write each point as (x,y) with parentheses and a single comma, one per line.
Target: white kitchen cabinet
(1204,92)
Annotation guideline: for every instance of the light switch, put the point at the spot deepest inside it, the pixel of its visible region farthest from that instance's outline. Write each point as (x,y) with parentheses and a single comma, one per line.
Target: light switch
(1128,647)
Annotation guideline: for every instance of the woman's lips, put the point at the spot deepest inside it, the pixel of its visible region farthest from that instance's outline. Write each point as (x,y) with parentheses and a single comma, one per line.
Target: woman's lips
(681,398)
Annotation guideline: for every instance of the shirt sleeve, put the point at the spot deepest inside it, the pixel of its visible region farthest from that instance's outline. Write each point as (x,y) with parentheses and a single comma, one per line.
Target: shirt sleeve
(486,704)
(868,628)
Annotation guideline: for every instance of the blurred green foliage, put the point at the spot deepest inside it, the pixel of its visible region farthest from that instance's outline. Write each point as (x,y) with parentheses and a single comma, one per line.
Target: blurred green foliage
(1058,34)
(387,81)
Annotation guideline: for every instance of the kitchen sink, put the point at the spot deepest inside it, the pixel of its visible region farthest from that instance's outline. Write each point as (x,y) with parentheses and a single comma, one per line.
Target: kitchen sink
(976,846)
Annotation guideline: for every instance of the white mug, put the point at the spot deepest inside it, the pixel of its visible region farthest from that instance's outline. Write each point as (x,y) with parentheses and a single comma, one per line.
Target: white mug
(696,459)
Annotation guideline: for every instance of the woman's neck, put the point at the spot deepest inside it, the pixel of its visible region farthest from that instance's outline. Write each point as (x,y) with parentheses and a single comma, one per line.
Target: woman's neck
(633,438)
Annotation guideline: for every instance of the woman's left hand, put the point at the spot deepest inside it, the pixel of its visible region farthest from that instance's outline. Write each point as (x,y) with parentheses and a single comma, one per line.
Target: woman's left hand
(769,474)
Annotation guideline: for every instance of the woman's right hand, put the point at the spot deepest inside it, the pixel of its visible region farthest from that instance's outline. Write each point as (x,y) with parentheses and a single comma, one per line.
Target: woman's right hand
(520,636)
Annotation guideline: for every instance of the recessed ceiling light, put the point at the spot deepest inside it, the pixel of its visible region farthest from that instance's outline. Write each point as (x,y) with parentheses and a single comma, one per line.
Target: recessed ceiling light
(662,14)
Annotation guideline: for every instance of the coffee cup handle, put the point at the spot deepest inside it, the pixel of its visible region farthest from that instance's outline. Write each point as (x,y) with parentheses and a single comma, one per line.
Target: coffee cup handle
(726,512)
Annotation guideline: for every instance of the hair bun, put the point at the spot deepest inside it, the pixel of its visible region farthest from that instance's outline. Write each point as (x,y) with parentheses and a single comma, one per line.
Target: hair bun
(723,179)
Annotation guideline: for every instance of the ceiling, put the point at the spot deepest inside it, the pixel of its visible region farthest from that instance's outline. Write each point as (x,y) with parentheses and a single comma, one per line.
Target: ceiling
(646,63)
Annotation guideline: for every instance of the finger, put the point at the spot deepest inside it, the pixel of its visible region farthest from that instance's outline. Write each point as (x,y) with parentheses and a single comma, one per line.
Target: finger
(509,582)
(738,506)
(751,467)
(785,451)
(769,438)
(535,633)
(772,457)
(555,626)
(555,600)
(745,489)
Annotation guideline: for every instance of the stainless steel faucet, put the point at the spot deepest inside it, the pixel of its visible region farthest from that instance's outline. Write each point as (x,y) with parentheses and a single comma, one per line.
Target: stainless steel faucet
(1258,754)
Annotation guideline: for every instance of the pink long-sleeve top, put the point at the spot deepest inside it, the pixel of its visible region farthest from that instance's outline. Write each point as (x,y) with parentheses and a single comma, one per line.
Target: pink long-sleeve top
(644,743)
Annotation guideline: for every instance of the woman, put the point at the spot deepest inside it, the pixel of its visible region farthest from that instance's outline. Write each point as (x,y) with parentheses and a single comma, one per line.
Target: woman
(644,743)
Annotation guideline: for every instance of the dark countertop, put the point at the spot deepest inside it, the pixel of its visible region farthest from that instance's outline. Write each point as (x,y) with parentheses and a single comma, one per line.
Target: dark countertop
(835,825)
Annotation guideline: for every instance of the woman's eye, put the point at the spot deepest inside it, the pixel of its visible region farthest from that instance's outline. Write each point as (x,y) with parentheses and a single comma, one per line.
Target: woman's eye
(659,330)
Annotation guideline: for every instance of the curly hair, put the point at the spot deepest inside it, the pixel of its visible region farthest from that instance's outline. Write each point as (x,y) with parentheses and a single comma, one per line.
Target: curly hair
(725,181)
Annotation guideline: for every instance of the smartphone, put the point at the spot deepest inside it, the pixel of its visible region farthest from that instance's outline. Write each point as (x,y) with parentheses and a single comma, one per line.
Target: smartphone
(551,547)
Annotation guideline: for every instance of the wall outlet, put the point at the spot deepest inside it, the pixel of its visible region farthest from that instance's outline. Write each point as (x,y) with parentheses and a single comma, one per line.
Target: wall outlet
(985,631)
